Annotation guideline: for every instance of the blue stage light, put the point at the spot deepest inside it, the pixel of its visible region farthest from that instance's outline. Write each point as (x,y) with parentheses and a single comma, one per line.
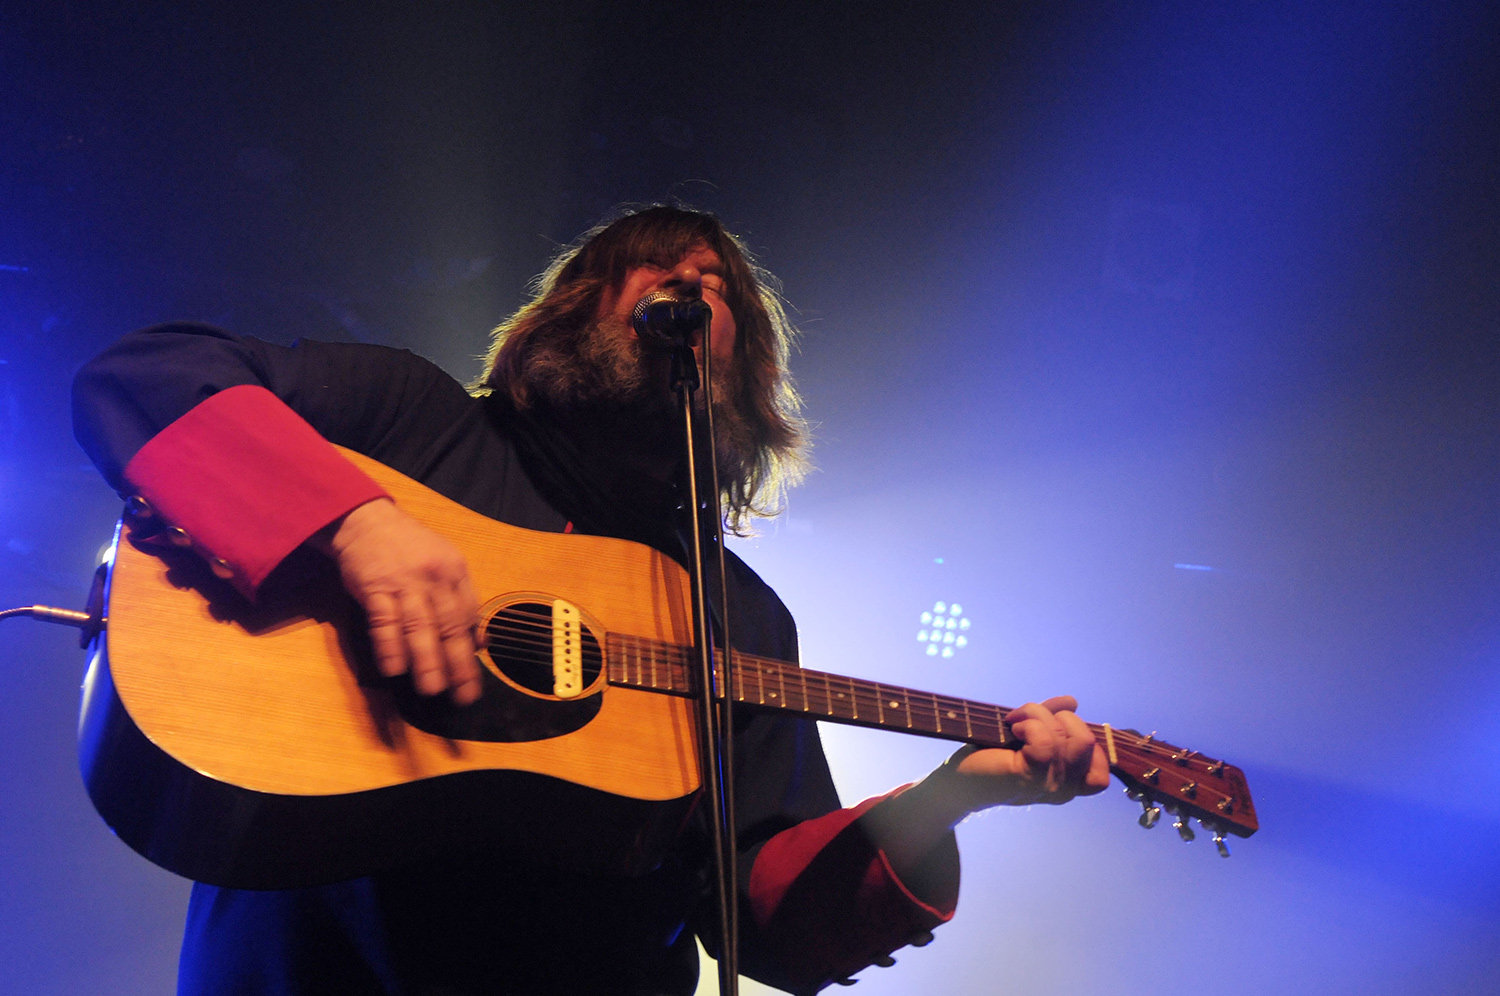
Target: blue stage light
(943,628)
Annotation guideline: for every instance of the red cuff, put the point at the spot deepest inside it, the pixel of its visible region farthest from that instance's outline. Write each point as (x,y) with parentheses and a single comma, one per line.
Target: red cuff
(828,900)
(248,480)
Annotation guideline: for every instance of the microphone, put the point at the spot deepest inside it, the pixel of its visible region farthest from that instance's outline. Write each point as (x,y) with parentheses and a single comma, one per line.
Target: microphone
(665,321)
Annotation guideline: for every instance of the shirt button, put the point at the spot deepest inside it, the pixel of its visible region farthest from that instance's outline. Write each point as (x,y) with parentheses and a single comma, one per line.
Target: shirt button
(178,536)
(221,568)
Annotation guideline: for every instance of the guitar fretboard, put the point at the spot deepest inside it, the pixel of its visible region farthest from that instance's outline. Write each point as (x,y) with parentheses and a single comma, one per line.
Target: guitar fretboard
(771,684)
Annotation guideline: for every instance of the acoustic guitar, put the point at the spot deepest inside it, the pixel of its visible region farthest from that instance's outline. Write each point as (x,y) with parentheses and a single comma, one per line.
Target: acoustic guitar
(255,746)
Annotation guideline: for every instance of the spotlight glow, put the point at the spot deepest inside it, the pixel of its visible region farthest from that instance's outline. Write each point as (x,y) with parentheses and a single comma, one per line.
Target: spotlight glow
(943,629)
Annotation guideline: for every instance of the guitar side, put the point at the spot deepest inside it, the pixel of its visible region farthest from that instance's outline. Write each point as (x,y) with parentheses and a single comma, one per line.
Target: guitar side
(252,746)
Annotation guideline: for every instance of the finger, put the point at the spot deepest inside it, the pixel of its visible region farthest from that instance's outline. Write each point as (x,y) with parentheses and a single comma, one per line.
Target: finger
(1098,776)
(422,644)
(1078,743)
(385,633)
(468,603)
(1039,732)
(1035,724)
(1061,703)
(455,630)
(1031,710)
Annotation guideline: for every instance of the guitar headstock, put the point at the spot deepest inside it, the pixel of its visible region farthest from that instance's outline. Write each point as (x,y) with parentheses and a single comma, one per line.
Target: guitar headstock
(1183,782)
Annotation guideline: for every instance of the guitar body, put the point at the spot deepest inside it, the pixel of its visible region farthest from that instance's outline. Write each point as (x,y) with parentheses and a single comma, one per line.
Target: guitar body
(255,747)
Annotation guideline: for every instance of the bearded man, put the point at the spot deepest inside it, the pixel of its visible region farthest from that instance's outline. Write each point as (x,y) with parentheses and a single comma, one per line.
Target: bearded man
(571,428)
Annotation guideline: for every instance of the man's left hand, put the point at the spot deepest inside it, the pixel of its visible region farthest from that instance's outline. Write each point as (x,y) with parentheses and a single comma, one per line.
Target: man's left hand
(1059,761)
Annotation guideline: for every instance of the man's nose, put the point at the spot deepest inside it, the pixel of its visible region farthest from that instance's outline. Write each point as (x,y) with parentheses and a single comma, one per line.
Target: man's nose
(685,279)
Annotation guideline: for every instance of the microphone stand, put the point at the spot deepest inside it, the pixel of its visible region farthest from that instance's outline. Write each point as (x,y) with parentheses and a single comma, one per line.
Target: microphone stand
(716,750)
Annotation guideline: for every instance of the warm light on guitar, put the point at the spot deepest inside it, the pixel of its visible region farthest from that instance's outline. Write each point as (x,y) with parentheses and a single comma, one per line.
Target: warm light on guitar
(255,746)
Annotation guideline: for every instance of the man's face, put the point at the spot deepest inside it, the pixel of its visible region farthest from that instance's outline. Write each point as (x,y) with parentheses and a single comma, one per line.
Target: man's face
(700,273)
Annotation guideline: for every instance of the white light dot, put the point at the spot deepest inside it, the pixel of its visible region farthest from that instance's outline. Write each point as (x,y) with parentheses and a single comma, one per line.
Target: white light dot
(956,609)
(963,623)
(947,651)
(940,607)
(927,617)
(931,649)
(947,637)
(951,624)
(962,641)
(922,635)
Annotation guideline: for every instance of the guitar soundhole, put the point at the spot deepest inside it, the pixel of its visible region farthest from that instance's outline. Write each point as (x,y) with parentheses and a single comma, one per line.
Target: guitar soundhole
(518,641)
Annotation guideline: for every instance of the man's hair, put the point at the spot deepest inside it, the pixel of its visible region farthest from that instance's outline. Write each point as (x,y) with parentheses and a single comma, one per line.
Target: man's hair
(566,298)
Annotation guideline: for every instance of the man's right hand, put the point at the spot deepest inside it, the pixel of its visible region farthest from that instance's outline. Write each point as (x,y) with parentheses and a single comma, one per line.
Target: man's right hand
(415,589)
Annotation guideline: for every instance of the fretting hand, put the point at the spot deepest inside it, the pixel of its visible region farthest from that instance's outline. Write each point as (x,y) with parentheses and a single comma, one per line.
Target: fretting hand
(1058,762)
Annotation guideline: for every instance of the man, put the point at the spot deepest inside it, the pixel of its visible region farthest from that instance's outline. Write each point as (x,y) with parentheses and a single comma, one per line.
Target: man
(571,429)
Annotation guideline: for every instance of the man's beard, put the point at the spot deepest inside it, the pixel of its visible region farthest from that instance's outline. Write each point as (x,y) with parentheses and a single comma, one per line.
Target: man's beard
(604,369)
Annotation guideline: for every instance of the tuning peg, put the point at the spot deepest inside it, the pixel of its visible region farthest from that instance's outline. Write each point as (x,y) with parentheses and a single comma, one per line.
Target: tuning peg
(1219,843)
(1150,813)
(1183,830)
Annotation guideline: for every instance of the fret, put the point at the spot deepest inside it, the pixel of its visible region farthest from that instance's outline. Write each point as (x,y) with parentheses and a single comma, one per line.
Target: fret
(946,712)
(992,721)
(667,667)
(741,667)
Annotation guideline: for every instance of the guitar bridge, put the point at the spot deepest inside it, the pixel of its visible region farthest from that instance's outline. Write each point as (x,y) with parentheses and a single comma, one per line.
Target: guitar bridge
(567,650)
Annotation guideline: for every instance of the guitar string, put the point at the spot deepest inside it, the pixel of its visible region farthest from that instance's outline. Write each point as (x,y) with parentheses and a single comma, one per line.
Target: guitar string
(531,633)
(865,693)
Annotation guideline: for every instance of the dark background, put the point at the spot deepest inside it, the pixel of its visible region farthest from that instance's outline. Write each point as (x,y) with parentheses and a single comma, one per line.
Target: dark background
(1163,338)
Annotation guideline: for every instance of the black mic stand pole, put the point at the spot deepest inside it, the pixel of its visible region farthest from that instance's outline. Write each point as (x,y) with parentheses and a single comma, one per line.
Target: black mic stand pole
(715,722)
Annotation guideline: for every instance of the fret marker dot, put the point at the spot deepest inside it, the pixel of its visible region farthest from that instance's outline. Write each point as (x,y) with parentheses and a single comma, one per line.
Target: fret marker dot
(895,704)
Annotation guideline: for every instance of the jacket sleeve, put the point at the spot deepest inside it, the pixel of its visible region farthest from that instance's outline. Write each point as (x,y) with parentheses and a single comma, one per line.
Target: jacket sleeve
(226,440)
(828,900)
(819,900)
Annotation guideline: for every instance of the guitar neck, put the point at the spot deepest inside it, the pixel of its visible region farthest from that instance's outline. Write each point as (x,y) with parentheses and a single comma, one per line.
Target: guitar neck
(763,682)
(1160,775)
